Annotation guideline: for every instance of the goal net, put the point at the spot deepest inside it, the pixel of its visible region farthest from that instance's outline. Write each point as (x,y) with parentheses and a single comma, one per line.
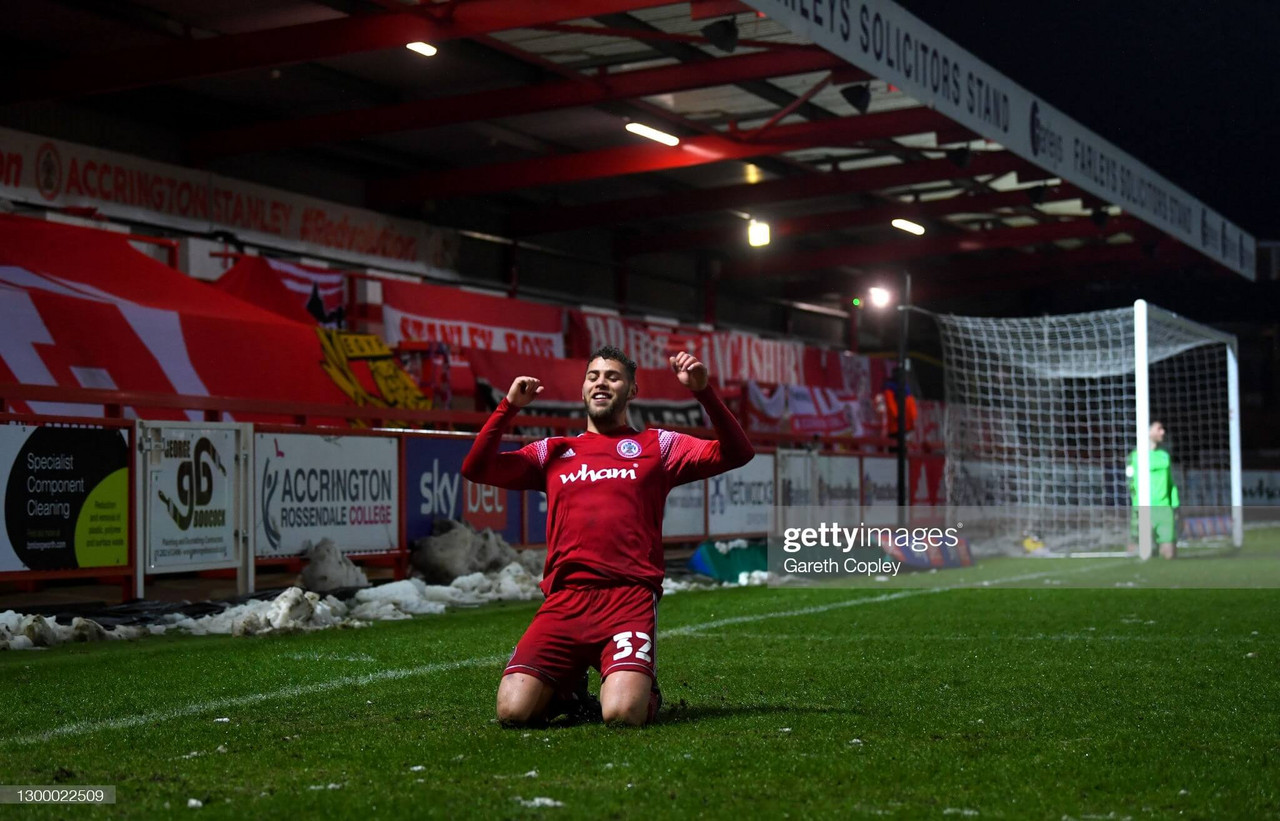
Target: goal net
(1045,414)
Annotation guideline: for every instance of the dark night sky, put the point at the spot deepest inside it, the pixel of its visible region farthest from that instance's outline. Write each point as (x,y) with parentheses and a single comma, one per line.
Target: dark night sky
(1190,88)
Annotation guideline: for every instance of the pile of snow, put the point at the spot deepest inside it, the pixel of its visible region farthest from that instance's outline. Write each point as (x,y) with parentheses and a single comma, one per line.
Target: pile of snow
(294,610)
(723,548)
(511,583)
(455,550)
(328,569)
(754,578)
(24,632)
(471,568)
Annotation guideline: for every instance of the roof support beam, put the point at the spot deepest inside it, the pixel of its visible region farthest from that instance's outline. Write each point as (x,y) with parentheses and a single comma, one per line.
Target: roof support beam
(134,68)
(581,90)
(811,186)
(966,242)
(732,235)
(1094,264)
(636,159)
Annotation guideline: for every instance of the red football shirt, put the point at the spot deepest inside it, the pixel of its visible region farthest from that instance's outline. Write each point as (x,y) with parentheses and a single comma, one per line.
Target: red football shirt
(606,492)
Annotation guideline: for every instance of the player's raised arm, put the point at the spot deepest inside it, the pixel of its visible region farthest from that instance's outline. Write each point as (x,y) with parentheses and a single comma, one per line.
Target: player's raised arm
(689,458)
(519,470)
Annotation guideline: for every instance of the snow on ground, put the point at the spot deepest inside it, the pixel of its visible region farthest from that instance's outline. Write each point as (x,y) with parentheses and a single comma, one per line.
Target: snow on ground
(470,554)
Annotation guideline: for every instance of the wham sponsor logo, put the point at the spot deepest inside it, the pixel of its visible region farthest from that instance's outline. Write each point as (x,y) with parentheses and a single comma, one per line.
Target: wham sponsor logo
(585,474)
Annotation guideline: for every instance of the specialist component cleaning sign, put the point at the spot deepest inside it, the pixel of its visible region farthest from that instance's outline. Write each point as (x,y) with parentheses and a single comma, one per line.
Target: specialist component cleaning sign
(66,497)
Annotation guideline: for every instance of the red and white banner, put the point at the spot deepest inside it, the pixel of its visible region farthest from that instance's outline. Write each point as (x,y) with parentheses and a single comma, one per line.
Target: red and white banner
(413,312)
(82,308)
(54,172)
(730,355)
(804,409)
(766,411)
(300,292)
(819,410)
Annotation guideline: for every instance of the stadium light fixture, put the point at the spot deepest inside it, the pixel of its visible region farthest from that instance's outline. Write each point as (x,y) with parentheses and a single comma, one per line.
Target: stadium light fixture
(642,130)
(757,233)
(880,297)
(908,226)
(425,49)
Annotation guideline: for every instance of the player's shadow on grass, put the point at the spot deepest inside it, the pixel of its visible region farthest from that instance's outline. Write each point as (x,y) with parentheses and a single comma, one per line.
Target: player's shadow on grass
(683,714)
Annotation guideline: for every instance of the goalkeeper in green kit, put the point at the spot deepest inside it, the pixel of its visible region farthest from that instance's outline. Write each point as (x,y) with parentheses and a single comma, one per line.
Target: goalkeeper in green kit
(1164,496)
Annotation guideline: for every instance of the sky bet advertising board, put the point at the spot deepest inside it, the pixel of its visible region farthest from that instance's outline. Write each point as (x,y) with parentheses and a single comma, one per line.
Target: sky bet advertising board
(436,488)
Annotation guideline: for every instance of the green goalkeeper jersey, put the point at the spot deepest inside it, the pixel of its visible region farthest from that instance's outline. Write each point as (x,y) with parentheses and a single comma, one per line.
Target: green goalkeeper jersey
(1163,492)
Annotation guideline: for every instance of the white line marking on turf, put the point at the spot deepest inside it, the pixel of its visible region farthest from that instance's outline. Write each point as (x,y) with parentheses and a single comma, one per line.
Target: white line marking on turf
(86,727)
(823,608)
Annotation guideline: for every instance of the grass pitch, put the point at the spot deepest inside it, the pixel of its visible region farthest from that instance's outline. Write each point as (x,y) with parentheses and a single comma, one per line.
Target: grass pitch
(939,698)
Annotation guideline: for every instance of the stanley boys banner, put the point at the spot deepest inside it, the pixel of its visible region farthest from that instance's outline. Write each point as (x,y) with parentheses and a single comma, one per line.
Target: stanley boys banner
(66,498)
(54,172)
(82,308)
(461,319)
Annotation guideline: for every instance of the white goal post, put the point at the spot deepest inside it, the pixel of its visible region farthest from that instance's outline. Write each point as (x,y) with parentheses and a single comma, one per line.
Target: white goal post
(1044,415)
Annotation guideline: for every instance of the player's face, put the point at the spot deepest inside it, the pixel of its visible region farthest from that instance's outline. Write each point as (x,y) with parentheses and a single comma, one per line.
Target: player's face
(1157,433)
(606,389)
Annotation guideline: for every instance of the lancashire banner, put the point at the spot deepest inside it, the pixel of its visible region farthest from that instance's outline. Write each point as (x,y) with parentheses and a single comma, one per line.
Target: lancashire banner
(66,498)
(731,355)
(413,312)
(82,308)
(55,172)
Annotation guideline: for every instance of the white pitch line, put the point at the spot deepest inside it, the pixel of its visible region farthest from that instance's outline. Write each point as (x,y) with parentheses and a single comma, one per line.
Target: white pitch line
(88,727)
(823,608)
(220,704)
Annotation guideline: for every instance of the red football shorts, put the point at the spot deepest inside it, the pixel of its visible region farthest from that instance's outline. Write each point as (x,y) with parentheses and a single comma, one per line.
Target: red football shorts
(609,628)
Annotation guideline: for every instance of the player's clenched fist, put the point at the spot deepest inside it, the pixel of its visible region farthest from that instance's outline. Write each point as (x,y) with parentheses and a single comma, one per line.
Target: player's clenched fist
(523,389)
(691,373)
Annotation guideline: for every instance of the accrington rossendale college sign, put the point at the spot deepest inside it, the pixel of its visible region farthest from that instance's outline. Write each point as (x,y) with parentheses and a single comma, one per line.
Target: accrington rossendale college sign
(42,171)
(881,38)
